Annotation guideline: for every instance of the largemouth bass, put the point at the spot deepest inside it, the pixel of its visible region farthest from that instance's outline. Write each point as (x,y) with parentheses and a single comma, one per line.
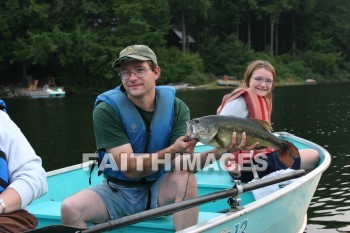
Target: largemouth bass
(216,130)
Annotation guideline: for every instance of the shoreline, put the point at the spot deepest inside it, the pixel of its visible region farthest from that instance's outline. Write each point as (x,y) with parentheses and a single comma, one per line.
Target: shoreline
(214,86)
(6,94)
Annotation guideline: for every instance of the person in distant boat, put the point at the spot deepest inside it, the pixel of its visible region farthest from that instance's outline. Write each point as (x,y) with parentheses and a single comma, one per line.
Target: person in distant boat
(22,177)
(254,100)
(136,117)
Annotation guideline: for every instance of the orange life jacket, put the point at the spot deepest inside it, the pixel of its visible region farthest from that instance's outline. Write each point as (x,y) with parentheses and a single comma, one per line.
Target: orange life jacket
(258,107)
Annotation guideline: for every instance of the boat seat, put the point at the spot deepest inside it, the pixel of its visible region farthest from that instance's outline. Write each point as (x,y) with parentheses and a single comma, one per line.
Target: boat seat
(46,209)
(166,223)
(51,210)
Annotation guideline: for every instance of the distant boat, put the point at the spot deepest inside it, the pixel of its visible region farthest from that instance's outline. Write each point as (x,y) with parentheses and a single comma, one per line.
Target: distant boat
(310,81)
(226,80)
(224,206)
(232,83)
(44,92)
(54,91)
(178,86)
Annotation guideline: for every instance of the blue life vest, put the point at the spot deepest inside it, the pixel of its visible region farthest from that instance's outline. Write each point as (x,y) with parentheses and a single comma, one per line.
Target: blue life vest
(157,136)
(4,176)
(2,105)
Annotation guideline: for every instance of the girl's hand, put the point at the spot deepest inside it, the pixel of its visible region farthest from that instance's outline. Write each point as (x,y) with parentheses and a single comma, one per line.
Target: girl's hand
(242,145)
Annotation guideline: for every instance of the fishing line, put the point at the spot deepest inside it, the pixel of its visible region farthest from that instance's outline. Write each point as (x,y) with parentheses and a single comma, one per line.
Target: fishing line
(188,178)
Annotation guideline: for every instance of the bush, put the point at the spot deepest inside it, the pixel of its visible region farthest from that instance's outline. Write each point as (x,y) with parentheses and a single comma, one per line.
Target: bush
(225,56)
(325,64)
(197,79)
(177,66)
(300,71)
(292,68)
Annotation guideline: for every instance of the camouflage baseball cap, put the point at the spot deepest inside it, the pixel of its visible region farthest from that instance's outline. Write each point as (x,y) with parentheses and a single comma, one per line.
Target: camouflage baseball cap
(135,52)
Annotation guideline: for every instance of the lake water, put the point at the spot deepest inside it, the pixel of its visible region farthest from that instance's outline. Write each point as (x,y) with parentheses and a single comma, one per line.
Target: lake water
(60,130)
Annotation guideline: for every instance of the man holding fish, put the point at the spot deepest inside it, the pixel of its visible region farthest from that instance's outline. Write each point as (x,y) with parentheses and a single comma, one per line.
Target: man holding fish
(137,120)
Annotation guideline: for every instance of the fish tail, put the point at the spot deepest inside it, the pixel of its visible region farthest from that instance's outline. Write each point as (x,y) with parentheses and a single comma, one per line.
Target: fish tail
(287,153)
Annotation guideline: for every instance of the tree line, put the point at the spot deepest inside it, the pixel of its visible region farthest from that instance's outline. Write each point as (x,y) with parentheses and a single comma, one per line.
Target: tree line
(76,41)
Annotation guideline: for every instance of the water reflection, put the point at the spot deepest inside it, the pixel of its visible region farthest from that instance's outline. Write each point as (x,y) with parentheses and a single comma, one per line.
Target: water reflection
(60,130)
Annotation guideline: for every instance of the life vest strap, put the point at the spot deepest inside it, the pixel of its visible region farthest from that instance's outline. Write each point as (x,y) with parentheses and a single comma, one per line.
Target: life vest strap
(131,184)
(4,180)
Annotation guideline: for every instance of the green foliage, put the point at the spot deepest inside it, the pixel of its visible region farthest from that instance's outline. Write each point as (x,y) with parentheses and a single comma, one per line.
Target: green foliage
(289,67)
(228,57)
(324,64)
(141,22)
(300,71)
(179,67)
(78,40)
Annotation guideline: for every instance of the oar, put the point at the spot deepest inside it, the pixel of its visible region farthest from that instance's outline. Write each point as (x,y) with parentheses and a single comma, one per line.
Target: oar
(56,229)
(171,208)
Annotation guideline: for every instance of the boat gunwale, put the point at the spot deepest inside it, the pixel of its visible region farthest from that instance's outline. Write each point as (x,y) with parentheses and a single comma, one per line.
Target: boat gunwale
(68,169)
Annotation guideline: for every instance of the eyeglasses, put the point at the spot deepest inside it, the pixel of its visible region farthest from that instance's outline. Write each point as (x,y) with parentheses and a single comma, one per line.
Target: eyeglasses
(140,72)
(261,80)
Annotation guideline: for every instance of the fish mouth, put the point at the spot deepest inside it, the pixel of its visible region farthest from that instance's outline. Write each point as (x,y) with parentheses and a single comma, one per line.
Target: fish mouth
(191,132)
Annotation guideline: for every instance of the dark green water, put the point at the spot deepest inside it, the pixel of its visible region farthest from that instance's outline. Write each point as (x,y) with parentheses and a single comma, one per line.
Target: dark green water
(60,130)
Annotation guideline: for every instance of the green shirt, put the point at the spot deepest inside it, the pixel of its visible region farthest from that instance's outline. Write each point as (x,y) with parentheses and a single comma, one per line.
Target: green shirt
(109,130)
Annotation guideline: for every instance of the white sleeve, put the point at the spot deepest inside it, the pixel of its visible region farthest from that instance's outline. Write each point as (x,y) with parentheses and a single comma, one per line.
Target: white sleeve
(237,107)
(26,174)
